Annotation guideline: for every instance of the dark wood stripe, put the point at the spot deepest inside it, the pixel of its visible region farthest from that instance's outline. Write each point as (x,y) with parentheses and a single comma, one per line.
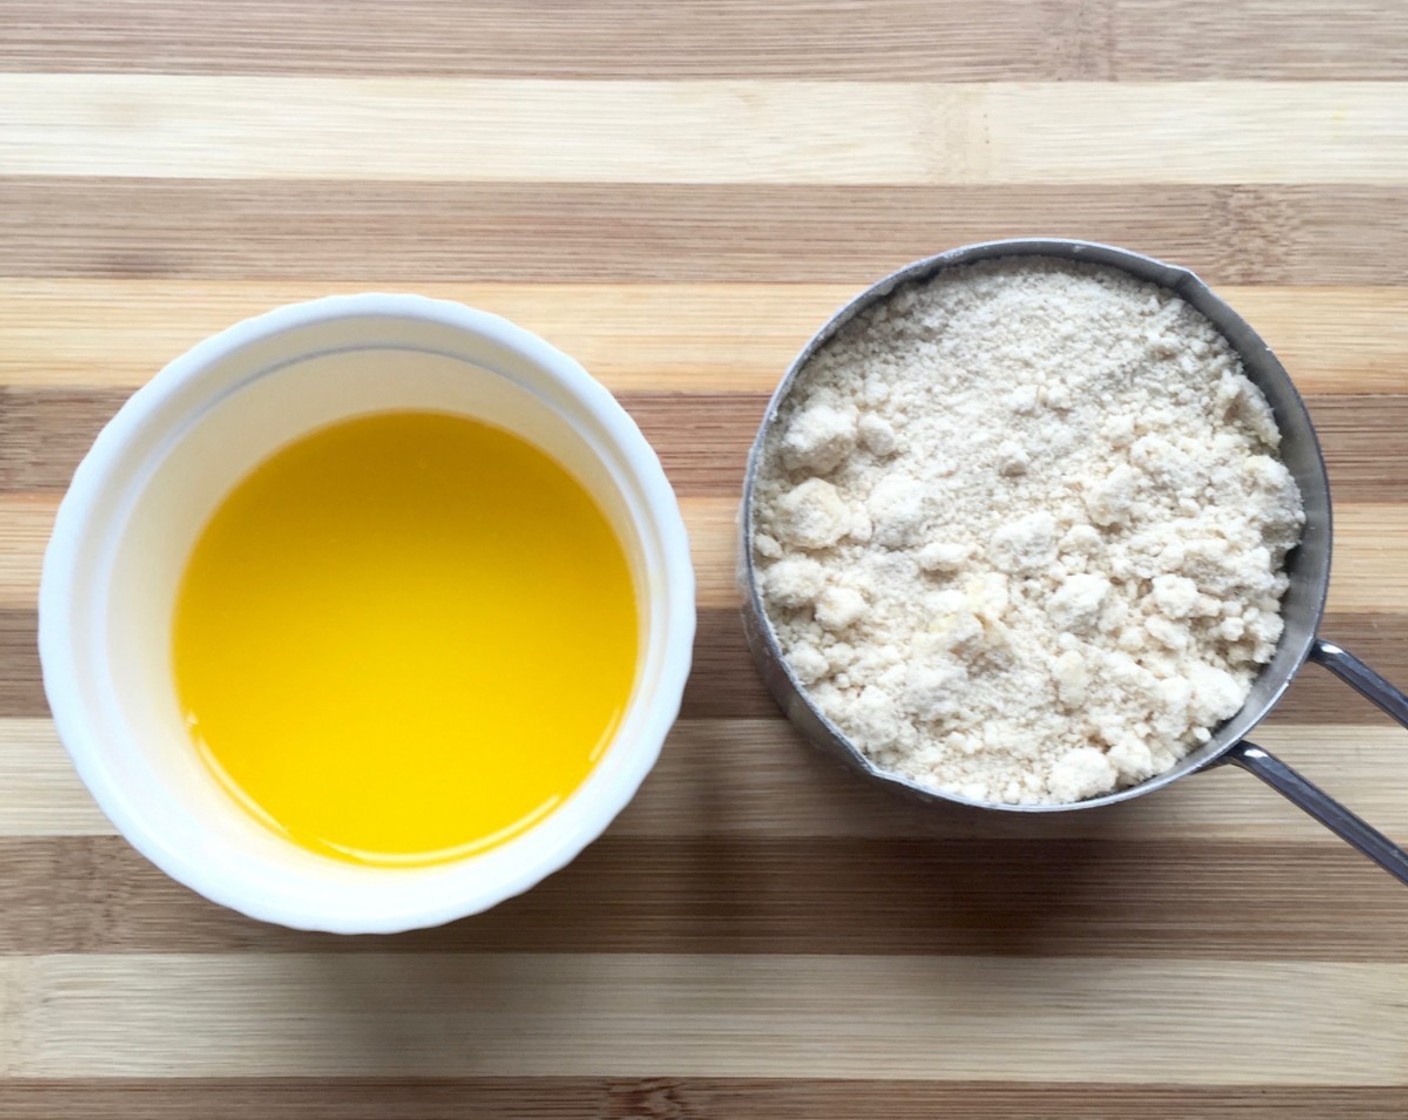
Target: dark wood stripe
(702,438)
(21,682)
(668,1098)
(1029,897)
(724,683)
(44,433)
(1365,441)
(894,40)
(1317,697)
(409,232)
(1209,39)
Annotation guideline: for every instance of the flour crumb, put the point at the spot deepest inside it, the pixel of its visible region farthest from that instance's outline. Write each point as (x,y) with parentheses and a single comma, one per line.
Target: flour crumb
(1020,531)
(819,439)
(813,515)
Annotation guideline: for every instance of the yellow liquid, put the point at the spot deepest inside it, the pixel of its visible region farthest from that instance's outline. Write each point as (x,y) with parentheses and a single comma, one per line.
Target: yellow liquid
(405,638)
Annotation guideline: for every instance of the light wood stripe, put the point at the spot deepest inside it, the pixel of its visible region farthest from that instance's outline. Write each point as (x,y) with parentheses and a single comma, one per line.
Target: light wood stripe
(677,1098)
(705,337)
(40,794)
(981,1018)
(1370,543)
(486,130)
(28,522)
(764,782)
(415,233)
(894,40)
(700,338)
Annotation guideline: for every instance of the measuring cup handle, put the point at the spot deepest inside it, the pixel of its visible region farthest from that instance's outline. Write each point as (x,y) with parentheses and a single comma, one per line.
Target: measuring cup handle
(1320,805)
(1361,678)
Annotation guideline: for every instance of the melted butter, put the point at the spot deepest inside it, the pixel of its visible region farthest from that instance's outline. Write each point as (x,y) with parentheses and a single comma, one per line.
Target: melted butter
(405,638)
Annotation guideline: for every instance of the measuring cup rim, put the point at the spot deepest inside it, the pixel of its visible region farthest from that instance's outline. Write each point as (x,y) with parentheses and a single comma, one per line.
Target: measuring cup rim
(1183,282)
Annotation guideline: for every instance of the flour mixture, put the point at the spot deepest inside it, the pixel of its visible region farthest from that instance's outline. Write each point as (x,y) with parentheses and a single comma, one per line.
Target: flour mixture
(1020,530)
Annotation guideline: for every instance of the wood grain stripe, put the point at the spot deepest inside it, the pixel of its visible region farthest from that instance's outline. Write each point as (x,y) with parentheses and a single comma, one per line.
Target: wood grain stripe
(1371,543)
(675,1098)
(21,681)
(414,233)
(1212,39)
(680,131)
(44,433)
(1371,553)
(28,521)
(703,337)
(724,683)
(1173,899)
(763,782)
(1365,445)
(962,40)
(623,1015)
(706,337)
(900,39)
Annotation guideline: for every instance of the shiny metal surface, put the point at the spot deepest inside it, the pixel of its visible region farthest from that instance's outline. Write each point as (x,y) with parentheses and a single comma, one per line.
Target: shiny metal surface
(1349,826)
(1308,565)
(1361,678)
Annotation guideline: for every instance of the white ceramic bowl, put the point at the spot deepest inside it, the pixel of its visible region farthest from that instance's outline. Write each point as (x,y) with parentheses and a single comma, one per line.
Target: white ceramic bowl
(157,472)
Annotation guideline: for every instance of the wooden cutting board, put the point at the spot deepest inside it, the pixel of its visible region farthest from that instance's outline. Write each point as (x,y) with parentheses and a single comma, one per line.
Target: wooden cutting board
(678,195)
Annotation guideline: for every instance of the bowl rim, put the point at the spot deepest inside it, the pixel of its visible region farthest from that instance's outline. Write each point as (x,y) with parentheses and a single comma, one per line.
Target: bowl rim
(81,734)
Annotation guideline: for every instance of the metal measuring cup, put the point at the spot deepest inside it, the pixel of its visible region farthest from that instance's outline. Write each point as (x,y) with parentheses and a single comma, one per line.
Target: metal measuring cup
(1308,565)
